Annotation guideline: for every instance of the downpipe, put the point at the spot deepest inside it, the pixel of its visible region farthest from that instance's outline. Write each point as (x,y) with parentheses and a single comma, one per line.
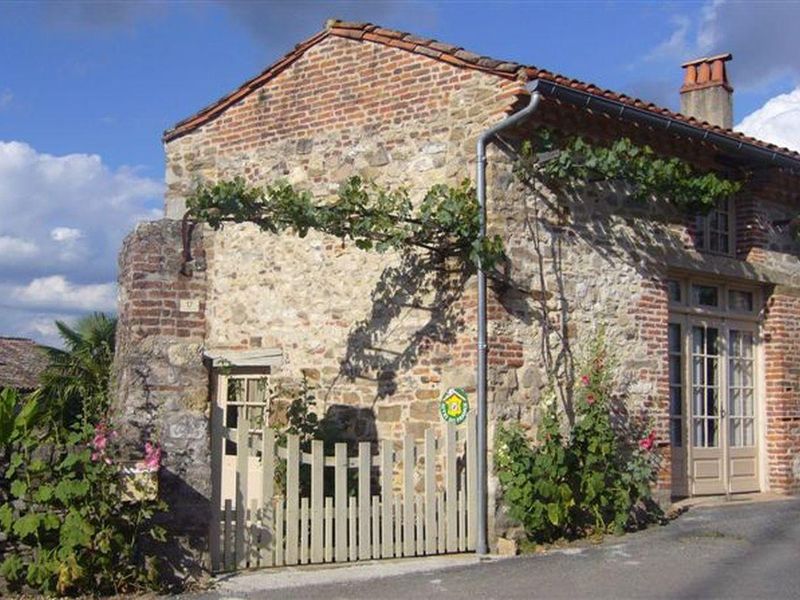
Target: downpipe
(484,140)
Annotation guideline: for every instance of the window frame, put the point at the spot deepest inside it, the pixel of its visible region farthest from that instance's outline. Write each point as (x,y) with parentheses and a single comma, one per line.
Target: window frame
(704,236)
(686,305)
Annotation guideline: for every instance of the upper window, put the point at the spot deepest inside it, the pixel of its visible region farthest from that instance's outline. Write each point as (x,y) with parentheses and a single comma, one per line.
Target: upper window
(714,231)
(692,295)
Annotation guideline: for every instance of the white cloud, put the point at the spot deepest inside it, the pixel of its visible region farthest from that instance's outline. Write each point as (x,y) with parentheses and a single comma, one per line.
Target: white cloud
(65,234)
(63,220)
(778,121)
(14,248)
(56,292)
(758,34)
(677,43)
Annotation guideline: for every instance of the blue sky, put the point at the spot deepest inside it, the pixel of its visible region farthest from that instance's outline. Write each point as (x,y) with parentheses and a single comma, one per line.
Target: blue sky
(86,89)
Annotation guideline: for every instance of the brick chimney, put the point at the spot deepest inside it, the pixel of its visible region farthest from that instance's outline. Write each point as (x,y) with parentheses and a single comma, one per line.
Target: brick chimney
(706,94)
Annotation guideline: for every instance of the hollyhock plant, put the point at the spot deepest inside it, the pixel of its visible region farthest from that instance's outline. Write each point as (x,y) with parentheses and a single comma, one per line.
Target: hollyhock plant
(99,444)
(647,443)
(152,457)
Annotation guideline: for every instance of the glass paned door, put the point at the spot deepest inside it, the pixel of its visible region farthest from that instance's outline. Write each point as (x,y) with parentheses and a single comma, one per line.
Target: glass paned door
(741,414)
(705,386)
(707,463)
(721,403)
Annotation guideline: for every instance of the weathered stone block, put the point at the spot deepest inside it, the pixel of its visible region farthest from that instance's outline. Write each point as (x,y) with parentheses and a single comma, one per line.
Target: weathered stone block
(390,413)
(425,411)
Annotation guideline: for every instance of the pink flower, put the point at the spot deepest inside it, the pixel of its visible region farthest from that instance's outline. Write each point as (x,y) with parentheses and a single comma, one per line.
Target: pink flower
(590,399)
(100,441)
(152,457)
(585,380)
(647,443)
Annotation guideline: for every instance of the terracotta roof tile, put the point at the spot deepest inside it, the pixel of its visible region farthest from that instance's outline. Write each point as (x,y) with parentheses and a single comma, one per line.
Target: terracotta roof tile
(420,41)
(441,46)
(451,54)
(468,56)
(21,363)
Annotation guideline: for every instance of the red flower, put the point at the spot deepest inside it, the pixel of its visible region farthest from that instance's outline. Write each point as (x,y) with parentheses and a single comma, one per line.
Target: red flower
(647,443)
(585,380)
(590,399)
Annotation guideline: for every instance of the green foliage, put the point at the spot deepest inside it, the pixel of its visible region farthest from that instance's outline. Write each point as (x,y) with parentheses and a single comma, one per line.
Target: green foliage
(446,221)
(66,529)
(596,479)
(575,161)
(77,378)
(303,421)
(537,482)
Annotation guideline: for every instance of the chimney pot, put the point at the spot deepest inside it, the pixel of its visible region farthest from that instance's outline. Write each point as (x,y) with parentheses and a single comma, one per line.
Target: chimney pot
(706,93)
(690,78)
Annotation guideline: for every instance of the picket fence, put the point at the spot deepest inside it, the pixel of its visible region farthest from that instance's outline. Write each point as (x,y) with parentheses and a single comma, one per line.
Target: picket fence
(425,502)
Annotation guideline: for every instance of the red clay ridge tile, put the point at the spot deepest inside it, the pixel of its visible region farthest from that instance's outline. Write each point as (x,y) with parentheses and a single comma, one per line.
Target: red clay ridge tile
(507,67)
(401,44)
(489,63)
(447,48)
(348,24)
(391,33)
(468,56)
(414,39)
(424,50)
(355,34)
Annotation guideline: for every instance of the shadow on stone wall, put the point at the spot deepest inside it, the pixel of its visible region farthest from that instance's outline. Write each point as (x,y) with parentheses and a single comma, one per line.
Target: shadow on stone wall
(421,282)
(186,523)
(350,424)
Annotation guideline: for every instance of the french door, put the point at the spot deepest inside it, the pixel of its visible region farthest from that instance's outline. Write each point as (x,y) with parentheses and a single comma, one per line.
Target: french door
(713,405)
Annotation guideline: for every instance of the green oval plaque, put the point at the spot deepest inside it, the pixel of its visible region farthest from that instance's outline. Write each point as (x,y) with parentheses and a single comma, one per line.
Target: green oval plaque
(454,405)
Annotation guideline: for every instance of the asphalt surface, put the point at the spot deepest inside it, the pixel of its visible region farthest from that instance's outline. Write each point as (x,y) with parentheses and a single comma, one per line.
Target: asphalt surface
(730,551)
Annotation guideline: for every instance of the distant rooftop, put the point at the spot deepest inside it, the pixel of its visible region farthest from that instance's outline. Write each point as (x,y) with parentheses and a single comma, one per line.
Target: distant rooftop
(21,363)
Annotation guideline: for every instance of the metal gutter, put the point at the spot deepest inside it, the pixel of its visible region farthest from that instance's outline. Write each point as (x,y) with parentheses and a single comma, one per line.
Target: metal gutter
(620,110)
(483,141)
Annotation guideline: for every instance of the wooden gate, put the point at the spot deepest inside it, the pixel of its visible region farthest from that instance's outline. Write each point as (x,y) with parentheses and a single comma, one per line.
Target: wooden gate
(367,501)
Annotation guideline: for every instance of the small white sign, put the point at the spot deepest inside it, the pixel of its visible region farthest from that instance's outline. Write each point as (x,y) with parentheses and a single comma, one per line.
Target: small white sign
(188,305)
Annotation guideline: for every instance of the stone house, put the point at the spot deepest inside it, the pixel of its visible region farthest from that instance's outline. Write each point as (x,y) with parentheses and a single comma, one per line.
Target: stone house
(702,313)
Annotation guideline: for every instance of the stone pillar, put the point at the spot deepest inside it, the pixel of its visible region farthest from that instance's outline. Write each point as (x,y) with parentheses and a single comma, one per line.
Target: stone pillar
(782,360)
(161,382)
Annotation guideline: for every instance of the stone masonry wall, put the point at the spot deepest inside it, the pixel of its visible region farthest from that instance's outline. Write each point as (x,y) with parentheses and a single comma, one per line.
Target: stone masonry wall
(373,331)
(161,382)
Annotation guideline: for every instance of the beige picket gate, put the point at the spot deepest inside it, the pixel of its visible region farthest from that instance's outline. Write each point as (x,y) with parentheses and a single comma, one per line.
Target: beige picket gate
(412,500)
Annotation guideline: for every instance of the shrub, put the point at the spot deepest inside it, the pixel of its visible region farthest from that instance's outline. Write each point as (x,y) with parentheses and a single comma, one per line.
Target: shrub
(595,479)
(67,529)
(63,511)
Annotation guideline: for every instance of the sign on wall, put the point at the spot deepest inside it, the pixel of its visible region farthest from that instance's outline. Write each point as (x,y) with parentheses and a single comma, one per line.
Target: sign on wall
(454,405)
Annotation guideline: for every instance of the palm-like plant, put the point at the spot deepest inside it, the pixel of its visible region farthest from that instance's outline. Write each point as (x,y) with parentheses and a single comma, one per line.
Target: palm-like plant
(77,380)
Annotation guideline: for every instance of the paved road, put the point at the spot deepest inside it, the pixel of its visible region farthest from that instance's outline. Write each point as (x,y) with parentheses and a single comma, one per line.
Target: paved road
(731,551)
